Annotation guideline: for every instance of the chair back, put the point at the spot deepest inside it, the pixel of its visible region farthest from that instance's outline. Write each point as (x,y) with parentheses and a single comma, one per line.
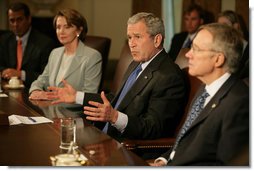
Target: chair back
(181,60)
(193,85)
(122,65)
(101,44)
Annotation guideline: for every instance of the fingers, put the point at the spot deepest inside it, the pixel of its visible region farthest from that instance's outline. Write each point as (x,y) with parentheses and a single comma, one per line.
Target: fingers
(94,113)
(52,88)
(8,73)
(65,83)
(56,102)
(104,98)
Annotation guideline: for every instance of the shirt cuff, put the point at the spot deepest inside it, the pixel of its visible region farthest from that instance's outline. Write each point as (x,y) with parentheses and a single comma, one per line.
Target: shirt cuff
(162,159)
(80,97)
(121,122)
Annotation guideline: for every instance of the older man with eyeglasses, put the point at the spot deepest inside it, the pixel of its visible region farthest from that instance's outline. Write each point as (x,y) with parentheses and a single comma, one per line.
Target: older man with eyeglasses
(216,132)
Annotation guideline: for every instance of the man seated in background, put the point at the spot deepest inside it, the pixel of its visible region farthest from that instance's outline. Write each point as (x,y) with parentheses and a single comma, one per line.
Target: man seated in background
(216,131)
(24,51)
(152,107)
(193,18)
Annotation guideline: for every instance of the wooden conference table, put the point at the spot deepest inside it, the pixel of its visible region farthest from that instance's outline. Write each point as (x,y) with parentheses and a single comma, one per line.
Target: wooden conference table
(32,145)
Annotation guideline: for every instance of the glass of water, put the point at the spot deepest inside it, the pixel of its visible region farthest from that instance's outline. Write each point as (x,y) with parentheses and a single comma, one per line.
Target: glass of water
(68,134)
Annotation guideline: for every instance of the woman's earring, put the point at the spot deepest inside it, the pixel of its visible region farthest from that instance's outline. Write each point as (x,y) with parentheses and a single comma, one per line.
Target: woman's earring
(77,35)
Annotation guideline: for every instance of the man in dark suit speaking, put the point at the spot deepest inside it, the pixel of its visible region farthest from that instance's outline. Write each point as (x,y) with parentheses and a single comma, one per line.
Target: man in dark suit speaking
(24,51)
(152,106)
(216,131)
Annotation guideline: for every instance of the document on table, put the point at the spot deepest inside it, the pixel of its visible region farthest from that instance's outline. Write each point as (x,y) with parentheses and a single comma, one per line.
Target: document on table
(3,95)
(17,119)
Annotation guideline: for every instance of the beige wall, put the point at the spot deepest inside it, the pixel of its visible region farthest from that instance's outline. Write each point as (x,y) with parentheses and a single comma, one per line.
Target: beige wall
(105,18)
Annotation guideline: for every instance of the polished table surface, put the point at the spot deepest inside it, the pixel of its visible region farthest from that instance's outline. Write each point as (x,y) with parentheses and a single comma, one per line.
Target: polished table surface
(32,145)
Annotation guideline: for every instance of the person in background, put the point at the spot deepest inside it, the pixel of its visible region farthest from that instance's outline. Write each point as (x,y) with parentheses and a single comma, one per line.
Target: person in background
(75,62)
(231,18)
(193,18)
(218,131)
(24,51)
(153,105)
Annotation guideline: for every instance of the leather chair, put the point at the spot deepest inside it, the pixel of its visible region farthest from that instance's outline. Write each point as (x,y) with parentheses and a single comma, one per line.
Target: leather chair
(122,65)
(102,44)
(181,60)
(142,147)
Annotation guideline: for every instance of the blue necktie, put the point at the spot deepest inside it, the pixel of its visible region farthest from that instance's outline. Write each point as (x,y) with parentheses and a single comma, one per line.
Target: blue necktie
(197,107)
(187,44)
(128,84)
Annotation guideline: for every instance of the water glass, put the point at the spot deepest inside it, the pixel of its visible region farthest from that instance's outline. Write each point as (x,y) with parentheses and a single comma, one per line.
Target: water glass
(68,134)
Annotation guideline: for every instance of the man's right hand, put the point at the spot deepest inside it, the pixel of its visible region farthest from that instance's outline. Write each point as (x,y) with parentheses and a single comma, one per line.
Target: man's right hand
(66,94)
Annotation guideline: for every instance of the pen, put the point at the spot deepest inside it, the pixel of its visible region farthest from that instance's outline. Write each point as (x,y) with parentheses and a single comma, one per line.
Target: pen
(31,119)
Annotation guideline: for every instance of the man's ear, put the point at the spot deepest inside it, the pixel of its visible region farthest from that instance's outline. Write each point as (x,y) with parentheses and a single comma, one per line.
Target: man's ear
(157,40)
(220,60)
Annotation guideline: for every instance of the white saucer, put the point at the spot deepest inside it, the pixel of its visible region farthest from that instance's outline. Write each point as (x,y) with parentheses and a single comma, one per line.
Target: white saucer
(14,87)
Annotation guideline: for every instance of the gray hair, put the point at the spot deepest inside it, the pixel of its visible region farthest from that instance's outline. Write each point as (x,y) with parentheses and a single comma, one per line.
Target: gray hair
(154,24)
(226,40)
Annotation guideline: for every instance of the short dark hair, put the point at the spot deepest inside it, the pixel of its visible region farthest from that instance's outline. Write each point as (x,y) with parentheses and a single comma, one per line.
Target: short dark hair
(18,6)
(195,7)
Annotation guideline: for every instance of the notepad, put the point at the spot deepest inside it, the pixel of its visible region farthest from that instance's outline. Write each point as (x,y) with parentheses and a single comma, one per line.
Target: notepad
(17,119)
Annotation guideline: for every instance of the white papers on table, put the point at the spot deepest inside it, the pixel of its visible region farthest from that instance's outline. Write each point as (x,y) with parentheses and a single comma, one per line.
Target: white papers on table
(3,95)
(17,119)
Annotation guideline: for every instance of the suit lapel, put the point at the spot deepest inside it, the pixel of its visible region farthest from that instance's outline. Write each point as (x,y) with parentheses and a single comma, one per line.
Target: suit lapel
(214,102)
(57,59)
(29,48)
(76,62)
(142,80)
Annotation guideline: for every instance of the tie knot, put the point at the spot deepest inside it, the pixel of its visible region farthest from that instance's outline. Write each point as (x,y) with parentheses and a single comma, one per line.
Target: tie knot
(19,41)
(205,94)
(138,69)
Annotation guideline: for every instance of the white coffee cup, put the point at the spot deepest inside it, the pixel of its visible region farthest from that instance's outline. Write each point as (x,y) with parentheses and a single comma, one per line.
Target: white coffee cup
(67,160)
(14,82)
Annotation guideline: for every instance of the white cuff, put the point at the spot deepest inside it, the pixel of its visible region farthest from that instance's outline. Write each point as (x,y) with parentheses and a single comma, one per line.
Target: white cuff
(121,122)
(80,97)
(161,159)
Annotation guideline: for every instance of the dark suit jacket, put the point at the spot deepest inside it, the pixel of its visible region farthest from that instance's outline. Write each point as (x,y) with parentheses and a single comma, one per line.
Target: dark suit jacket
(35,56)
(155,103)
(176,44)
(243,70)
(221,132)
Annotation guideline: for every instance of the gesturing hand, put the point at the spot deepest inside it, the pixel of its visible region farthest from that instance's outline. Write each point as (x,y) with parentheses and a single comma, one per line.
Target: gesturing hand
(101,111)
(66,94)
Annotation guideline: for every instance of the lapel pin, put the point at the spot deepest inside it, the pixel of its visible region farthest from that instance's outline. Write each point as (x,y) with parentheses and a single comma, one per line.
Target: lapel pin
(214,105)
(145,77)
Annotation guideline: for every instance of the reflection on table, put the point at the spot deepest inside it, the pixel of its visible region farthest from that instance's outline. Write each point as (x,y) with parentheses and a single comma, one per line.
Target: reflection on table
(32,145)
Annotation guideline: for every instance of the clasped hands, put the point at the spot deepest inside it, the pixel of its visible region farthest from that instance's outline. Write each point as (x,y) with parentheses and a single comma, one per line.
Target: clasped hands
(10,72)
(103,112)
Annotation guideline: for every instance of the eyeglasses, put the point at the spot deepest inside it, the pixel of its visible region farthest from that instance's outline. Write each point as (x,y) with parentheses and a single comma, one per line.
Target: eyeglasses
(195,49)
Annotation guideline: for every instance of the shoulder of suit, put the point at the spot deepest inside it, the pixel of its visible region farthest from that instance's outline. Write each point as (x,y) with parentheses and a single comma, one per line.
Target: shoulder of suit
(7,35)
(37,35)
(89,51)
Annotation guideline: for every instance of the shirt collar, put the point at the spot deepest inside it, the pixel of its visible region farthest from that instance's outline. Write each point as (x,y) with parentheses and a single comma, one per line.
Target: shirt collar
(215,86)
(144,65)
(24,38)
